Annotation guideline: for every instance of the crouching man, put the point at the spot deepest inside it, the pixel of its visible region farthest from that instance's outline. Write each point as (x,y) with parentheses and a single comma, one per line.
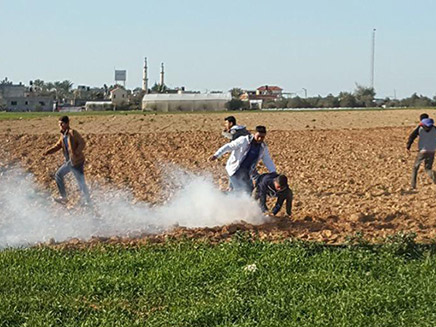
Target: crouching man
(273,185)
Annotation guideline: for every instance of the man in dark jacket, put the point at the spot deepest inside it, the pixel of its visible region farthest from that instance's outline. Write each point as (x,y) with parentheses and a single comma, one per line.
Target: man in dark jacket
(273,185)
(232,131)
(415,132)
(426,149)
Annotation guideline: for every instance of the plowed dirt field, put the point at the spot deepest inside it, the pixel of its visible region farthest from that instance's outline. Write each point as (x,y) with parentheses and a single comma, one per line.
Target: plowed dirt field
(349,171)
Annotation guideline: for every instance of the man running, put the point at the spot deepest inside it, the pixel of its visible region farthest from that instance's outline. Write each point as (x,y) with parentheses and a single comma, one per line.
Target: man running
(426,149)
(232,131)
(415,132)
(72,144)
(246,152)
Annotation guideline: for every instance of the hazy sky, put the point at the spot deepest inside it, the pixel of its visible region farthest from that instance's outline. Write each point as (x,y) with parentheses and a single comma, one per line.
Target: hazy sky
(323,46)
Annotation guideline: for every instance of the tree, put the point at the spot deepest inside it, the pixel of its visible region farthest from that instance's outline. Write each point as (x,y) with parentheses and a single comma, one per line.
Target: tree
(136,99)
(364,96)
(5,82)
(330,101)
(313,102)
(63,89)
(297,102)
(417,101)
(234,104)
(236,92)
(159,88)
(347,100)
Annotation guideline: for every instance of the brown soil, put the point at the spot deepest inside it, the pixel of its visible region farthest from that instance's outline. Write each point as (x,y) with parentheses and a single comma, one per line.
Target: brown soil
(344,179)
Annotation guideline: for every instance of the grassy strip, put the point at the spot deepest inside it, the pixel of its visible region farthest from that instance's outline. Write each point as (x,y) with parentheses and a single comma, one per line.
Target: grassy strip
(199,284)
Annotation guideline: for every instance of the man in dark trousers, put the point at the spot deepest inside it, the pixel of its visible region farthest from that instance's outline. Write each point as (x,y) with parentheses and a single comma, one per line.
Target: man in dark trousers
(426,148)
(273,185)
(72,144)
(232,130)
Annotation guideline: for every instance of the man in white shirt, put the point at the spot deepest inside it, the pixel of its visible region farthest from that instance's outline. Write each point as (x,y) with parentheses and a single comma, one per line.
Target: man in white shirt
(246,152)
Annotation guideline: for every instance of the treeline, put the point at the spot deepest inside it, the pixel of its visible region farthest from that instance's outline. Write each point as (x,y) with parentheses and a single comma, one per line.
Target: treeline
(361,97)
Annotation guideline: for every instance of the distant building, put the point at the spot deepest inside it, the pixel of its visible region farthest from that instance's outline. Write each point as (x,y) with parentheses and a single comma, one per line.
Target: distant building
(185,102)
(262,94)
(30,103)
(16,98)
(119,96)
(269,92)
(11,90)
(98,105)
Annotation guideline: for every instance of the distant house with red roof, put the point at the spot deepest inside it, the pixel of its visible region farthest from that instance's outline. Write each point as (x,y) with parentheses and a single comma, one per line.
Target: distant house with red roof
(270,91)
(261,94)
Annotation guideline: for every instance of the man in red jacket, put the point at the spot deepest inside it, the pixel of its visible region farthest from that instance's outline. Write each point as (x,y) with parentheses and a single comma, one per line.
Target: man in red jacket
(72,144)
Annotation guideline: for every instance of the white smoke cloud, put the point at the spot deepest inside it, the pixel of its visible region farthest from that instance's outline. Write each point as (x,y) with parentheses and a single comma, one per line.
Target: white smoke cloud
(29,216)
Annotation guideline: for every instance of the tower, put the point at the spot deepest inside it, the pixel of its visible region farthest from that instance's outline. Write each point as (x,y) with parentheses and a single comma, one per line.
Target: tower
(145,77)
(161,74)
(372,58)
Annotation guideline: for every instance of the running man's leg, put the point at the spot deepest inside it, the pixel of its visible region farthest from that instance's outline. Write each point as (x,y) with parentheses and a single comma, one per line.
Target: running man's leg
(418,160)
(428,165)
(59,178)
(78,172)
(241,181)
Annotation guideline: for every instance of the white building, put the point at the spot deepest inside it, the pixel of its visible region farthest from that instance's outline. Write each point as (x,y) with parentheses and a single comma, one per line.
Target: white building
(98,105)
(185,102)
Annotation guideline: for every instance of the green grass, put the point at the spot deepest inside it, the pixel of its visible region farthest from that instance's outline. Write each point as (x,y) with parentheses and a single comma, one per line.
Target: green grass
(199,284)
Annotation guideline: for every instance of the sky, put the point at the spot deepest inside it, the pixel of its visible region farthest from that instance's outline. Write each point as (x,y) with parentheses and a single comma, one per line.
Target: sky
(321,46)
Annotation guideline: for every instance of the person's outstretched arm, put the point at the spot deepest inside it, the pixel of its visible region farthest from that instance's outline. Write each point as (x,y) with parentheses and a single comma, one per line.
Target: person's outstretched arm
(266,158)
(412,137)
(261,187)
(280,199)
(55,148)
(229,147)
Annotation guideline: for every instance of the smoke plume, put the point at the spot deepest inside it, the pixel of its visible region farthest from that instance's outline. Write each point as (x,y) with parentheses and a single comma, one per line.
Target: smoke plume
(29,216)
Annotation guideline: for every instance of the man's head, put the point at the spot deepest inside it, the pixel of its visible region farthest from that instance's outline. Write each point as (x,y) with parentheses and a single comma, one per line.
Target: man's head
(229,122)
(423,116)
(281,182)
(64,123)
(260,134)
(427,123)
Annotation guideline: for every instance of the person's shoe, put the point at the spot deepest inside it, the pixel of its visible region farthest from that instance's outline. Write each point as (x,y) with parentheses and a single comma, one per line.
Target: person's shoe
(60,200)
(86,203)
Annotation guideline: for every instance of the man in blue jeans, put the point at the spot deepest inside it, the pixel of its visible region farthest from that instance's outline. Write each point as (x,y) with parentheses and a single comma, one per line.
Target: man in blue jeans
(72,145)
(246,152)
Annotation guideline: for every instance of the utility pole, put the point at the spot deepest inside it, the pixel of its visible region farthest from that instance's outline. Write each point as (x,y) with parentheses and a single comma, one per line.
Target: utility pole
(372,58)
